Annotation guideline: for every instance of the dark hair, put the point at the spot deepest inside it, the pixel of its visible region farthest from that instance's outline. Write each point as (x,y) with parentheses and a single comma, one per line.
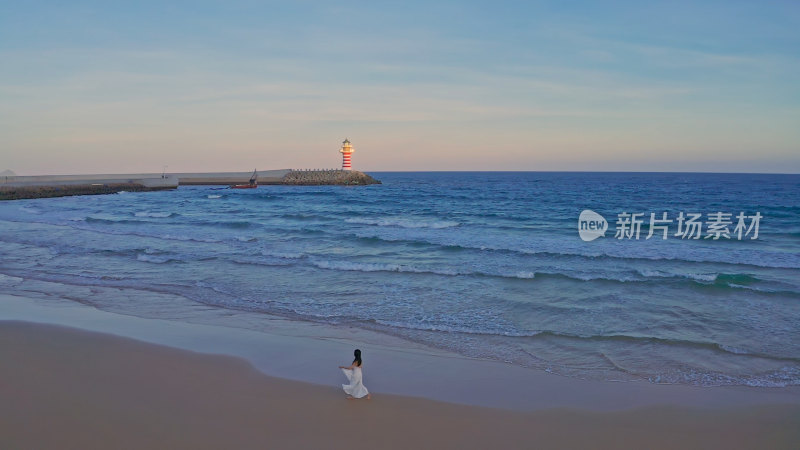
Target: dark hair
(357,359)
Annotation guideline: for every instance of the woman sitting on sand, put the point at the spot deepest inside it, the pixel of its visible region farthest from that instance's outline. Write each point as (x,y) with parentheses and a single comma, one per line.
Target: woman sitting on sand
(353,373)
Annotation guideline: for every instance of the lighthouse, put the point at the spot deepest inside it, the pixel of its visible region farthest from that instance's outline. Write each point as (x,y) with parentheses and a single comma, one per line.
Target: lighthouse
(346,151)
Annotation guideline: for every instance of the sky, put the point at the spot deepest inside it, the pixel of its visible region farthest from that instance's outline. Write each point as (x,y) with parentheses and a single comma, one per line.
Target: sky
(116,87)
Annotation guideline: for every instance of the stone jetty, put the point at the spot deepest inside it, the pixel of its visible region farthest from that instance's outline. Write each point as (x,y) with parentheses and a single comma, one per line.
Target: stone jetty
(18,188)
(13,187)
(332,176)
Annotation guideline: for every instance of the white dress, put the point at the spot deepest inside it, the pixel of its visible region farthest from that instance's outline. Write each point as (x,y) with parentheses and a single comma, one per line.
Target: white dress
(355,388)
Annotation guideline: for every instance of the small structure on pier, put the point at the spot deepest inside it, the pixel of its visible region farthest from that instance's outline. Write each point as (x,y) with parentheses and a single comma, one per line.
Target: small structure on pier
(346,151)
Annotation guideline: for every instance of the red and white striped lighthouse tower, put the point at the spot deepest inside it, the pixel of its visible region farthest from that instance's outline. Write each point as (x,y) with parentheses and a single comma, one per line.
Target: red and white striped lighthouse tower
(346,151)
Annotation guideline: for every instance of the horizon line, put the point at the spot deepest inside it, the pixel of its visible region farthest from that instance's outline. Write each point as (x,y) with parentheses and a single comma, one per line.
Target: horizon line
(433,171)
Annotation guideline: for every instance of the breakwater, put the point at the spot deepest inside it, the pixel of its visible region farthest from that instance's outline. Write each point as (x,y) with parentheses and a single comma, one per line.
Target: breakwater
(67,185)
(25,187)
(326,177)
(230,178)
(300,177)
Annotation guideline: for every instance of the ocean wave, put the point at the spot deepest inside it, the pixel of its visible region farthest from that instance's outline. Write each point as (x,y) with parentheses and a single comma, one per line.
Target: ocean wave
(378,267)
(259,262)
(30,210)
(739,279)
(783,377)
(173,237)
(525,275)
(236,224)
(734,350)
(78,224)
(479,329)
(731,279)
(590,255)
(351,266)
(110,220)
(213,196)
(95,276)
(151,258)
(446,328)
(404,222)
(255,197)
(719,280)
(284,255)
(704,277)
(155,214)
(305,191)
(305,217)
(707,345)
(9,280)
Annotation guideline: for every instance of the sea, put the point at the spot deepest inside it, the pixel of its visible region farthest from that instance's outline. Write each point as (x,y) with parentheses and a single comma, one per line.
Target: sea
(489,265)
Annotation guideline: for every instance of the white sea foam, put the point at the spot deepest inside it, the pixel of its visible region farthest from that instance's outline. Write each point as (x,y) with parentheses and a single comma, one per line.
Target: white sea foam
(379,267)
(152,214)
(525,275)
(8,279)
(173,237)
(359,267)
(735,350)
(107,217)
(404,222)
(285,255)
(654,273)
(151,258)
(214,196)
(703,277)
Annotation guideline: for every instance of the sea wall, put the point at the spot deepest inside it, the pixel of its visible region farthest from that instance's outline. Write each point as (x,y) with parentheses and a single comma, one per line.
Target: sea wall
(14,191)
(186,178)
(229,178)
(283,176)
(23,187)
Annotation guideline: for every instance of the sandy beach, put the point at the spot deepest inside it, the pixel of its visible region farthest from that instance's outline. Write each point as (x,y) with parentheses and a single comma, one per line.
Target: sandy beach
(70,388)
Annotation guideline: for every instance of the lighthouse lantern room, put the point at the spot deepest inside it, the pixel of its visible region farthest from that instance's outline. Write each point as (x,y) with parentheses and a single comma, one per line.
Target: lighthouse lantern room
(346,151)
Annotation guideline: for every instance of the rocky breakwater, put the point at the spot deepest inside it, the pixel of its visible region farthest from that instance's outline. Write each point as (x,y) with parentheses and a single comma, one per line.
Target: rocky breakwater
(328,177)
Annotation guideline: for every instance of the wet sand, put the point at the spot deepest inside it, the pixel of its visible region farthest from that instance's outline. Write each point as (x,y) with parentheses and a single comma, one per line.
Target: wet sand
(68,388)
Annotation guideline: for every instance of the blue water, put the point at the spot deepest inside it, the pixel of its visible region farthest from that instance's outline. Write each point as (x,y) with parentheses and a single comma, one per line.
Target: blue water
(489,265)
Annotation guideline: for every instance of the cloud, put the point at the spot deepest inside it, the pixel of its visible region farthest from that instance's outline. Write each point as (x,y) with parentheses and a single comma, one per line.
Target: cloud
(450,83)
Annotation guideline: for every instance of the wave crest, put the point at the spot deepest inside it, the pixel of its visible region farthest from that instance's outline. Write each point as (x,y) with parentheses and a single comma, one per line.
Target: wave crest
(155,214)
(404,222)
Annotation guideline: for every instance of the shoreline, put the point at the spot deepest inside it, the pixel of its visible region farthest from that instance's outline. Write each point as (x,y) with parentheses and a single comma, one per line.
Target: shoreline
(392,365)
(96,390)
